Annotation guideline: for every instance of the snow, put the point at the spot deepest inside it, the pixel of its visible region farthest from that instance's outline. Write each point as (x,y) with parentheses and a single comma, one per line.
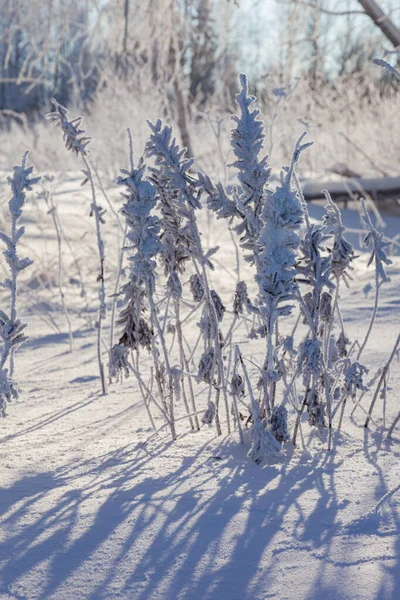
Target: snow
(91,511)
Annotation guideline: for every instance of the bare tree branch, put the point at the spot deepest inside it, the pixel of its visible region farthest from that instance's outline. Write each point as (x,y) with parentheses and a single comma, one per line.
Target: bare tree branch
(385,24)
(339,13)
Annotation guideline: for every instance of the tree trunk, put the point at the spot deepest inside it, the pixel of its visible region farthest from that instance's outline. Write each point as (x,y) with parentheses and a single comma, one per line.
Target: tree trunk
(382,21)
(175,67)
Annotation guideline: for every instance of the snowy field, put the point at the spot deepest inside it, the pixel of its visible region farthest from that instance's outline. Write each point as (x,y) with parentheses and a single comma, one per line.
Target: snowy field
(90,511)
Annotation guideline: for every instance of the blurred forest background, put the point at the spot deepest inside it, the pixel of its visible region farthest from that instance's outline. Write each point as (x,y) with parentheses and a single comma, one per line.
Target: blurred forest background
(120,62)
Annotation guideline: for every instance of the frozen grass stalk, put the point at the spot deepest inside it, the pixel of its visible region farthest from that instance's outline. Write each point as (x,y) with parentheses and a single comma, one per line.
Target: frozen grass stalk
(172,170)
(144,239)
(49,199)
(75,140)
(374,240)
(11,328)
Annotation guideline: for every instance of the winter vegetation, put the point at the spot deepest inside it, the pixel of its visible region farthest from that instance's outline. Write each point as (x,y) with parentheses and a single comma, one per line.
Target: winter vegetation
(207,363)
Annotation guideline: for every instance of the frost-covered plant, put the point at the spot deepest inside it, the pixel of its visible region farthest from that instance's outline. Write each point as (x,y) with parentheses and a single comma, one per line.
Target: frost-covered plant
(326,259)
(268,225)
(314,270)
(342,257)
(76,141)
(119,362)
(143,237)
(279,424)
(353,381)
(342,253)
(11,327)
(238,391)
(247,140)
(174,258)
(172,171)
(282,216)
(298,265)
(374,240)
(382,386)
(263,442)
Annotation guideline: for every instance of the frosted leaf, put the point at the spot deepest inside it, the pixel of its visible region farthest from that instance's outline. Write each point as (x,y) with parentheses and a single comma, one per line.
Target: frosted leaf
(219,307)
(310,360)
(196,287)
(73,136)
(237,385)
(263,442)
(8,391)
(279,424)
(206,366)
(241,298)
(209,414)
(119,364)
(325,307)
(341,344)
(353,377)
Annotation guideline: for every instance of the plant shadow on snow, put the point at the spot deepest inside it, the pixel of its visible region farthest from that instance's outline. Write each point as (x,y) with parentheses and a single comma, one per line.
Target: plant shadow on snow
(217,537)
(49,419)
(55,339)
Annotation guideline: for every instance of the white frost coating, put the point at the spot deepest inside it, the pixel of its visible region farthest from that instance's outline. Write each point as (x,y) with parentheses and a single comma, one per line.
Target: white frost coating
(76,141)
(11,328)
(374,240)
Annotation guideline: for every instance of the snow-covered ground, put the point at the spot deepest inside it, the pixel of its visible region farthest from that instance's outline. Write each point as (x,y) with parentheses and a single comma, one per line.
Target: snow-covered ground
(88,511)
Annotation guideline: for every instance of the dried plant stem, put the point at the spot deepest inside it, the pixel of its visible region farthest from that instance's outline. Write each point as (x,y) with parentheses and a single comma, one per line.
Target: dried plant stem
(101,276)
(299,414)
(9,349)
(217,361)
(343,406)
(253,401)
(199,412)
(56,223)
(330,324)
(382,380)
(79,272)
(235,404)
(237,253)
(116,288)
(373,316)
(110,204)
(185,363)
(156,323)
(144,390)
(328,400)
